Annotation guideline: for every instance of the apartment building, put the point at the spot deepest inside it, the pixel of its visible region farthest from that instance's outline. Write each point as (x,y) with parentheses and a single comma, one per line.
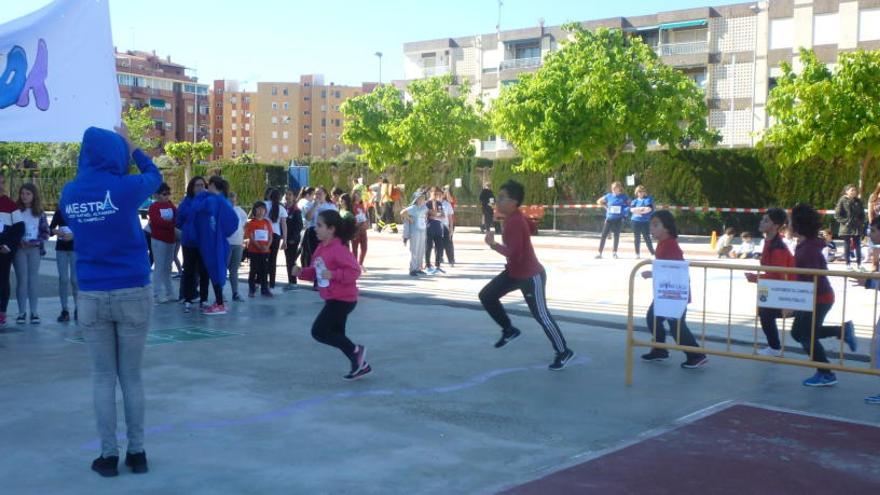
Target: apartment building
(732,51)
(281,121)
(179,104)
(232,120)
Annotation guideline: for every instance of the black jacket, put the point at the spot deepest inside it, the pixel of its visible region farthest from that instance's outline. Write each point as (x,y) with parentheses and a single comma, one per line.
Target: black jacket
(850,214)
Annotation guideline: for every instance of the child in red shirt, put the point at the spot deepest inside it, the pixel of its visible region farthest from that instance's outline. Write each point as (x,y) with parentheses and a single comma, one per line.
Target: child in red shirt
(336,270)
(258,236)
(162,215)
(664,230)
(523,272)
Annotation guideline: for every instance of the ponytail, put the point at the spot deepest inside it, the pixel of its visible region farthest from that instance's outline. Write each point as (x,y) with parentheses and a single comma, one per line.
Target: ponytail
(344,228)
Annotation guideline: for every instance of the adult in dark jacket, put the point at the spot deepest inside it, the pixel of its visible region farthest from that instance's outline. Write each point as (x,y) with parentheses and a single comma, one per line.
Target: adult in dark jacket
(487,205)
(113,271)
(214,221)
(194,273)
(850,214)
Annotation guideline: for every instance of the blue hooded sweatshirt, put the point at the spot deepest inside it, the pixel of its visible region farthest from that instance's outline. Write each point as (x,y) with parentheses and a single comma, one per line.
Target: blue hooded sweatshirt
(213,221)
(101,208)
(184,222)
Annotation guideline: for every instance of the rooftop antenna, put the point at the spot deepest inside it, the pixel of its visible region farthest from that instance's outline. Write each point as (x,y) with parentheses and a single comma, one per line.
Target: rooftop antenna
(498,26)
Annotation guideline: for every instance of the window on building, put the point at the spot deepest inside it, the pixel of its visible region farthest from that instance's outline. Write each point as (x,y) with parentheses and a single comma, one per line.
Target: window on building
(274,134)
(274,105)
(826,29)
(323,108)
(234,113)
(234,140)
(338,95)
(274,90)
(307,98)
(246,99)
(219,105)
(781,33)
(274,148)
(286,119)
(307,112)
(323,93)
(169,125)
(285,149)
(189,129)
(190,109)
(233,100)
(274,120)
(286,106)
(284,92)
(234,127)
(869,24)
(247,127)
(219,131)
(338,122)
(233,153)
(247,140)
(323,122)
(285,135)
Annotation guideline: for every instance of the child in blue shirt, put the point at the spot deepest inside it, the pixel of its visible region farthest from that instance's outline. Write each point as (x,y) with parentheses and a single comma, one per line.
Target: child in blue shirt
(616,203)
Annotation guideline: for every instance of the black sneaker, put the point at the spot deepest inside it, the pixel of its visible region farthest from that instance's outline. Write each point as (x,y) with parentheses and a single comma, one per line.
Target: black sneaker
(137,462)
(695,362)
(21,319)
(561,360)
(35,319)
(507,336)
(359,373)
(360,359)
(237,298)
(64,317)
(656,355)
(289,287)
(106,466)
(414,273)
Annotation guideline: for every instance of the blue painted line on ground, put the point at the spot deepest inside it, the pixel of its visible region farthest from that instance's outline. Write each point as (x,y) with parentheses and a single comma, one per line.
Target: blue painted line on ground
(306,404)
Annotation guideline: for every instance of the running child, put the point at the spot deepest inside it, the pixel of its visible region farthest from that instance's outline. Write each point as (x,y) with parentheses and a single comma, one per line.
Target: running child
(775,253)
(258,236)
(523,272)
(664,230)
(336,270)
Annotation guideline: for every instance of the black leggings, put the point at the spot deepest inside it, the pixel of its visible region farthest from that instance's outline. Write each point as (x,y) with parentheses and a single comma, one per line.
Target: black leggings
(850,241)
(436,242)
(257,274)
(611,225)
(642,229)
(329,326)
(218,293)
(194,269)
(450,249)
(768,318)
(273,259)
(5,265)
(309,244)
(800,330)
(681,333)
(533,290)
(290,255)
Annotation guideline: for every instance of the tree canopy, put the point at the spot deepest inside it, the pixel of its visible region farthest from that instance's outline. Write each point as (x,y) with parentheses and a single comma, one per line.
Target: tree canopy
(600,93)
(186,153)
(140,127)
(832,116)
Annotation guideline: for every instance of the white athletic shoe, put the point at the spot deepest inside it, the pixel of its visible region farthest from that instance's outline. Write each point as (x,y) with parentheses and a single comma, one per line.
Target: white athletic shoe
(769,351)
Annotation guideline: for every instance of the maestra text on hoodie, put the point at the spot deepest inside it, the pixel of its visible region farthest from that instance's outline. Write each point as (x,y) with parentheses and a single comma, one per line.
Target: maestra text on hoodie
(101,208)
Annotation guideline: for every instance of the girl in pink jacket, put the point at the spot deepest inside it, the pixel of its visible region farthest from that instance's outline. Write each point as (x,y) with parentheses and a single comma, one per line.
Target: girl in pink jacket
(336,271)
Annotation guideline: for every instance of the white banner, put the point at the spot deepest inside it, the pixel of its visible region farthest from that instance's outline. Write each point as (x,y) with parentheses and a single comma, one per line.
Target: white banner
(672,284)
(59,73)
(783,294)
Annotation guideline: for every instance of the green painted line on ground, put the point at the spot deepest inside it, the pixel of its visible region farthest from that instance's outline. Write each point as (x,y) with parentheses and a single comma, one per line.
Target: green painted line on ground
(175,335)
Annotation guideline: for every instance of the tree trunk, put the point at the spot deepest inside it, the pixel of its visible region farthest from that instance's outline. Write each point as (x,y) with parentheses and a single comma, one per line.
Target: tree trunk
(610,158)
(862,169)
(187,172)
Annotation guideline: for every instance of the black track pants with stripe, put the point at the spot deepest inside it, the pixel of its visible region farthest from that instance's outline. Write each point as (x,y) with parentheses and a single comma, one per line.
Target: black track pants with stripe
(533,289)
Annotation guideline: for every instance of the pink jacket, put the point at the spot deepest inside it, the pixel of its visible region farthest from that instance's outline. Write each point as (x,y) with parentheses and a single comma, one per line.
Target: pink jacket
(346,270)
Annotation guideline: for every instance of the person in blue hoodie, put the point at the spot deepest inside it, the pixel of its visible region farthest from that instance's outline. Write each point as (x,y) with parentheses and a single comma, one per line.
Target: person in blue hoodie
(100,206)
(616,204)
(194,272)
(214,221)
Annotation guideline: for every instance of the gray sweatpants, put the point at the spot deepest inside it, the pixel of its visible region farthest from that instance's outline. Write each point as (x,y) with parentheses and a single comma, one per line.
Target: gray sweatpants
(115,327)
(417,239)
(66,262)
(27,276)
(163,255)
(234,263)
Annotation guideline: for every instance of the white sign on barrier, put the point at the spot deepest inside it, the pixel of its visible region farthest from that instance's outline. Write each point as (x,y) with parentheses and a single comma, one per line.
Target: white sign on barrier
(671,288)
(458,182)
(784,294)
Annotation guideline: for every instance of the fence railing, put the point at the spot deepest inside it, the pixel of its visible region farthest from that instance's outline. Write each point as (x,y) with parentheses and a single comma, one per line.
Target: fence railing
(841,363)
(521,63)
(690,48)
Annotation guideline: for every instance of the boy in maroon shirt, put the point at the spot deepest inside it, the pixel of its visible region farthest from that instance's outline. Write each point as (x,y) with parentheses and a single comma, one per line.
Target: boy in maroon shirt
(523,272)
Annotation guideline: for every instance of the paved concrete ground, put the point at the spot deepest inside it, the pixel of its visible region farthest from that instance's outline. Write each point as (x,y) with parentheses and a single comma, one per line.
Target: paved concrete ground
(265,410)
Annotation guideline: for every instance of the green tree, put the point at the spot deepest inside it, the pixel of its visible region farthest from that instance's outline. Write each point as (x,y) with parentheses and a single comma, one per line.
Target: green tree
(244,159)
(601,93)
(440,123)
(140,128)
(186,153)
(371,122)
(27,155)
(834,117)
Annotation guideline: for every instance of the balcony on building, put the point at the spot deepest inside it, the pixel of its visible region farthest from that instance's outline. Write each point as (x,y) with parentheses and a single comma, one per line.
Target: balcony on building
(428,58)
(522,55)
(681,44)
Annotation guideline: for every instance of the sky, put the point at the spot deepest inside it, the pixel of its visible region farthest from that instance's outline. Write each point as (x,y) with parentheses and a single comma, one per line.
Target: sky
(278,40)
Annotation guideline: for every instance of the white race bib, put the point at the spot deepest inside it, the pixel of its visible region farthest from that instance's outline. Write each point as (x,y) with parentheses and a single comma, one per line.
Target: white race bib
(31,233)
(421,223)
(319,269)
(614,210)
(65,230)
(261,235)
(166,213)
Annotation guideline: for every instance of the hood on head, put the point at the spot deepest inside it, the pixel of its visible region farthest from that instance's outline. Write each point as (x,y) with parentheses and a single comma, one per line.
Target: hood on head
(104,151)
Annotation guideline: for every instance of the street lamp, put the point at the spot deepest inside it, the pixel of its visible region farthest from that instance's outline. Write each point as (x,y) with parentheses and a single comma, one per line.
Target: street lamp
(379,54)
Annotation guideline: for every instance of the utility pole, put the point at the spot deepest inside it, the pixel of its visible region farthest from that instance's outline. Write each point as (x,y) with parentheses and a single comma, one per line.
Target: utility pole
(379,54)
(498,25)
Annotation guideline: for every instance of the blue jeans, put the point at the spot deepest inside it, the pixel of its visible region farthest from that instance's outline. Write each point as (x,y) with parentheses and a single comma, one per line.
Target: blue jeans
(66,261)
(27,276)
(115,327)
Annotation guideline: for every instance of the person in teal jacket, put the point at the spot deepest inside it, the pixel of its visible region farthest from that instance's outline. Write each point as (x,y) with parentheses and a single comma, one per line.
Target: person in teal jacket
(214,221)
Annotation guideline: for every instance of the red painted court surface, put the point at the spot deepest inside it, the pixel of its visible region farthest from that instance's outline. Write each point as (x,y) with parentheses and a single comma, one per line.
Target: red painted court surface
(739,450)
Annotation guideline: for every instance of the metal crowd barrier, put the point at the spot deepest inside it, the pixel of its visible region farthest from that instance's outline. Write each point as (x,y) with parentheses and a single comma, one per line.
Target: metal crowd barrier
(841,363)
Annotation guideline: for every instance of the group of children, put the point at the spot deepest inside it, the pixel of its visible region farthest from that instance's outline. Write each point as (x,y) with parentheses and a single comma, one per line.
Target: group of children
(429,224)
(747,248)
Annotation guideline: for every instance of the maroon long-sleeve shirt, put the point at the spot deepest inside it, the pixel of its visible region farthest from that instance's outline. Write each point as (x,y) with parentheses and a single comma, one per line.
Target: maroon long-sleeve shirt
(517,248)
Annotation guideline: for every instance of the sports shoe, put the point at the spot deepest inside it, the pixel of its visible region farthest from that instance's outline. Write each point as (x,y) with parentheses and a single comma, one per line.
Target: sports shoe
(695,362)
(439,270)
(562,358)
(849,335)
(237,298)
(656,355)
(598,256)
(215,309)
(421,272)
(266,293)
(289,287)
(431,271)
(506,336)
(359,373)
(106,466)
(137,462)
(35,319)
(821,379)
(414,273)
(614,255)
(874,399)
(769,351)
(176,276)
(187,307)
(21,319)
(64,317)
(360,359)
(252,293)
